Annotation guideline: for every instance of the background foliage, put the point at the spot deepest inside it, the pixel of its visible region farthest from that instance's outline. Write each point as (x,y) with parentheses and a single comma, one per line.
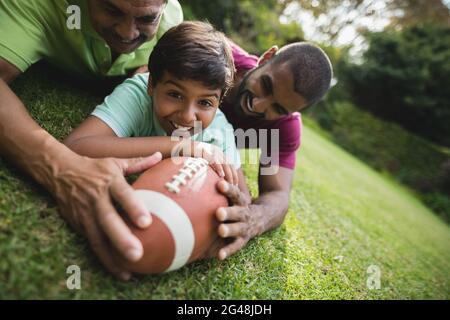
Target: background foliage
(254,25)
(404,78)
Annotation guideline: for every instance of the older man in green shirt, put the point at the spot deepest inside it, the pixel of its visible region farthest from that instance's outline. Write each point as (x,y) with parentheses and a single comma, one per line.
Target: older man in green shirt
(98,46)
(112,38)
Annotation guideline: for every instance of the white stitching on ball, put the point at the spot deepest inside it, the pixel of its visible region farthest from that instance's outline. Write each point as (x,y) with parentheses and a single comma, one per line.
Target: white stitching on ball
(190,168)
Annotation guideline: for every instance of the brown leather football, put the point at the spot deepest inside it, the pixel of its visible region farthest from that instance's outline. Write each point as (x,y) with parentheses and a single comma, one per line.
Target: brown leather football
(181,195)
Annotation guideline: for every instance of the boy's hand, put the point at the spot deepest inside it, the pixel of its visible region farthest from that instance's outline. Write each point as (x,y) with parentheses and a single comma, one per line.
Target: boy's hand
(213,155)
(217,161)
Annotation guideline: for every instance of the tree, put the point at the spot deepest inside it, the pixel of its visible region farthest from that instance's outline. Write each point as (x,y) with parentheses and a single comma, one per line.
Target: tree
(419,12)
(332,17)
(405,78)
(255,25)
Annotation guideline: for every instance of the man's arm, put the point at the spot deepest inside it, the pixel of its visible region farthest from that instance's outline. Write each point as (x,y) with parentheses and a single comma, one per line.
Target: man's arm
(8,72)
(83,187)
(246,220)
(274,197)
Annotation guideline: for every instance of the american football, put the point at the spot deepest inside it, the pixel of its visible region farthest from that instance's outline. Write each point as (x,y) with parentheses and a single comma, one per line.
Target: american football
(181,195)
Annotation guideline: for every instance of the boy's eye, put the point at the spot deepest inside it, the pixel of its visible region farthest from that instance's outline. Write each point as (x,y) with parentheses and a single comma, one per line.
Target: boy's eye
(206,103)
(175,95)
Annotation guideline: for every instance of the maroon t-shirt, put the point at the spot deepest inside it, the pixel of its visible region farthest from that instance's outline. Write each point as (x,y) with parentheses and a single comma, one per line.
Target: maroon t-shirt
(289,134)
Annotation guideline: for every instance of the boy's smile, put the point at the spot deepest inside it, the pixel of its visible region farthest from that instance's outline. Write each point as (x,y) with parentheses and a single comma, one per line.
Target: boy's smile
(179,127)
(178,103)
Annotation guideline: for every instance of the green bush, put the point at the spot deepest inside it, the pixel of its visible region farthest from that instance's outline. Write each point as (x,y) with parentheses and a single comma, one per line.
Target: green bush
(445,176)
(404,77)
(254,25)
(439,203)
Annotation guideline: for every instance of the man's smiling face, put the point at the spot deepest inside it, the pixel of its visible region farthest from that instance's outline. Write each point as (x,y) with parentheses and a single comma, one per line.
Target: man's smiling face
(267,92)
(126,24)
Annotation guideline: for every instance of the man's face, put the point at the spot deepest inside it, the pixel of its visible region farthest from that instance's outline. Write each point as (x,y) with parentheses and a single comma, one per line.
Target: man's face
(267,92)
(126,24)
(179,103)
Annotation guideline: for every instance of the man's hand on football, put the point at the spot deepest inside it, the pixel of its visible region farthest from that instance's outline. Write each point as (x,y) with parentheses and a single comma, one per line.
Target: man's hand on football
(85,189)
(240,222)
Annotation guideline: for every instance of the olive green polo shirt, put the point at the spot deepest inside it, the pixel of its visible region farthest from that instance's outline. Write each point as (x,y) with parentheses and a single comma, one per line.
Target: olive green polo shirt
(31,30)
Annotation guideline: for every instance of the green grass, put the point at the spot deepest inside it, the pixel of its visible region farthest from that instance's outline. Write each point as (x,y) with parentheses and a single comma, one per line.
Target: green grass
(387,147)
(343,217)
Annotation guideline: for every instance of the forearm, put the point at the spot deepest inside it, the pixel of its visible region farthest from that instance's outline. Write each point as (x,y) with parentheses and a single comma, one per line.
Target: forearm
(112,146)
(26,144)
(271,208)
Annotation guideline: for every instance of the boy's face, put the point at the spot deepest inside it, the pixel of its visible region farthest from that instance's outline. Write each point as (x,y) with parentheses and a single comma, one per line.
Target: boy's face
(267,92)
(178,103)
(125,25)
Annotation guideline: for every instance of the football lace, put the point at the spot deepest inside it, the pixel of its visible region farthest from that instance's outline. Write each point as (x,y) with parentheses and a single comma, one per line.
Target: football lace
(190,168)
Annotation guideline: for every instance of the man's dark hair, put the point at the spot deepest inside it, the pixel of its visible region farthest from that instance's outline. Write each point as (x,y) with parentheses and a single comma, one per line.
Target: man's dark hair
(310,67)
(194,51)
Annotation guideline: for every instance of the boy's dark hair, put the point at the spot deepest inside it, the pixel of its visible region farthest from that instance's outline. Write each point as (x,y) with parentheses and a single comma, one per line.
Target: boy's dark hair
(310,67)
(195,51)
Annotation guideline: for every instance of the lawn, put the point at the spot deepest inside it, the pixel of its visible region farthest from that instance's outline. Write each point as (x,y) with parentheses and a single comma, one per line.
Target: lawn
(344,217)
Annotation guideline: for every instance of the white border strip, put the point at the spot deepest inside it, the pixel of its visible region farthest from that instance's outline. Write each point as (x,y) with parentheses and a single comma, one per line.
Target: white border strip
(176,220)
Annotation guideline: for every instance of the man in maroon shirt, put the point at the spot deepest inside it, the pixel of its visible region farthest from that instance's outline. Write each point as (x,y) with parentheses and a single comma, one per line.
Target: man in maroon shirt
(268,93)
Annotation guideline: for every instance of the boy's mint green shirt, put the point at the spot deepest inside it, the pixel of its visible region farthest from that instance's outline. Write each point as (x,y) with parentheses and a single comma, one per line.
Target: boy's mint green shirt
(129,112)
(31,30)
